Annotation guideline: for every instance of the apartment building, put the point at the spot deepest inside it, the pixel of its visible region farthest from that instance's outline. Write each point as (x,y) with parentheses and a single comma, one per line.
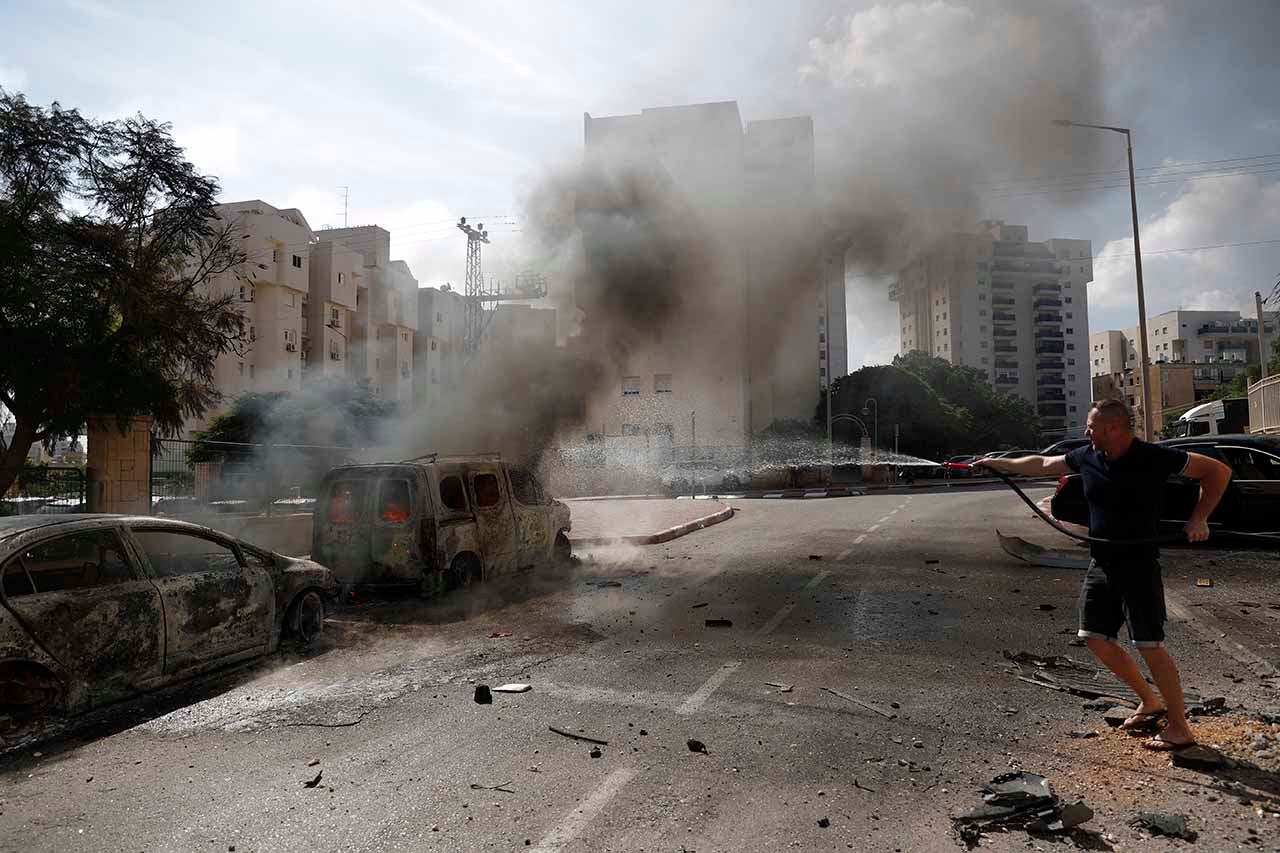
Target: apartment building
(329,309)
(1174,389)
(270,289)
(1200,337)
(1014,309)
(380,343)
(439,345)
(750,344)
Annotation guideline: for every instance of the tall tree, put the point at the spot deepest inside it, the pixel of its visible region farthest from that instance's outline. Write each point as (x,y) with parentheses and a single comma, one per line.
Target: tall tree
(997,420)
(108,242)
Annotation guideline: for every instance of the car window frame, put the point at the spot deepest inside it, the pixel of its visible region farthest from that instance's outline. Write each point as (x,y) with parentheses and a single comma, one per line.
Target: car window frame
(1274,459)
(445,510)
(199,534)
(134,565)
(538,489)
(376,518)
(475,473)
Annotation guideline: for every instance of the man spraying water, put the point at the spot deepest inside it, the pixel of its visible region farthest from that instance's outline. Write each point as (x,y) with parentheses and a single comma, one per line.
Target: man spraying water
(1123,476)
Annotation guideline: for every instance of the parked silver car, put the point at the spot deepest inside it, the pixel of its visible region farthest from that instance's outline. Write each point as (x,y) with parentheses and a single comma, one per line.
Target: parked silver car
(100,607)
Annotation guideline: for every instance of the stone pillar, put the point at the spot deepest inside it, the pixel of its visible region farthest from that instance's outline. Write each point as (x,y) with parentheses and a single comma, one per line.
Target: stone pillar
(120,466)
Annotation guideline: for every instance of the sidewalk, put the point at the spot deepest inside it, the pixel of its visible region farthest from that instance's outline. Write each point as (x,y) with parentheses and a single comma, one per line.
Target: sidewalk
(641,521)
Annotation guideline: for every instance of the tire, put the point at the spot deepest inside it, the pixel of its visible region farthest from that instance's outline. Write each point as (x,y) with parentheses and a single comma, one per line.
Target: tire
(306,618)
(464,571)
(562,551)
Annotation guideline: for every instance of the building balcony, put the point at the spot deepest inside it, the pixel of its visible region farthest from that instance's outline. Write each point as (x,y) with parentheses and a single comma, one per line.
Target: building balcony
(1046,347)
(1046,287)
(1025,266)
(1006,347)
(1049,334)
(1002,285)
(1051,380)
(1004,333)
(1047,302)
(1048,318)
(1007,363)
(1052,410)
(1050,365)
(1047,394)
(1006,380)
(1002,300)
(1003,317)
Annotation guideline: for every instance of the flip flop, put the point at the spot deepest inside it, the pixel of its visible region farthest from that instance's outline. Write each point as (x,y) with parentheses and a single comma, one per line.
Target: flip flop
(1144,720)
(1159,744)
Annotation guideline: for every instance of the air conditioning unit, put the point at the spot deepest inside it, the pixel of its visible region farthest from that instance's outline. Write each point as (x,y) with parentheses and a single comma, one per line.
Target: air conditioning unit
(333,324)
(290,347)
(335,356)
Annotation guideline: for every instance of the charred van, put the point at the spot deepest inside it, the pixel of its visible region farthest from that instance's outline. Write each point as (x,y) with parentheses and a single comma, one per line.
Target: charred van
(435,522)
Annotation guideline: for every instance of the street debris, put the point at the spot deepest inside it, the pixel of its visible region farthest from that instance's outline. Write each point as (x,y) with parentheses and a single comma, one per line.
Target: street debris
(696,746)
(595,752)
(1024,800)
(498,635)
(501,786)
(1169,825)
(781,688)
(718,623)
(603,584)
(862,787)
(1199,757)
(578,737)
(483,696)
(931,562)
(1204,582)
(700,604)
(845,696)
(1037,555)
(1047,607)
(513,688)
(1083,735)
(1065,675)
(313,762)
(823,822)
(311,783)
(815,556)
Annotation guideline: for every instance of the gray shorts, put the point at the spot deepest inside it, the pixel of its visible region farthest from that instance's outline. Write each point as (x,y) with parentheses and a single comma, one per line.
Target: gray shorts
(1127,594)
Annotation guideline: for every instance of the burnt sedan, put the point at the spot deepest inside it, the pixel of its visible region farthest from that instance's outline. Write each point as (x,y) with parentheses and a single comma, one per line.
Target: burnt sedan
(96,608)
(1251,503)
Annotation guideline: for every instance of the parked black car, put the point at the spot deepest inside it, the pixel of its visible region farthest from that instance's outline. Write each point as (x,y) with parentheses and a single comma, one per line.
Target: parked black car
(1250,504)
(1061,448)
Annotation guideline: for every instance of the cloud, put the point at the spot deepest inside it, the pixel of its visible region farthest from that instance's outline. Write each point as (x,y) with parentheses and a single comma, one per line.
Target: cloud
(12,79)
(1230,209)
(214,149)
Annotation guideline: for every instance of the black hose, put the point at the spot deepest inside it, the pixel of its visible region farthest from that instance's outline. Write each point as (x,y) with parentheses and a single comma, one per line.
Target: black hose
(1167,539)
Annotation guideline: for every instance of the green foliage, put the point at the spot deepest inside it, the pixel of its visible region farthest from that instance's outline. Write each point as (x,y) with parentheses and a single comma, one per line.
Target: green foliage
(940,409)
(107,240)
(1239,387)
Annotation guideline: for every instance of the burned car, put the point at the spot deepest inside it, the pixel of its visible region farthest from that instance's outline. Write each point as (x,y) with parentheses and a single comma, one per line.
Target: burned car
(97,608)
(435,523)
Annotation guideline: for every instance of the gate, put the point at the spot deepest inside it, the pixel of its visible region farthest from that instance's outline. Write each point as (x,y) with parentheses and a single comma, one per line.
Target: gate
(45,490)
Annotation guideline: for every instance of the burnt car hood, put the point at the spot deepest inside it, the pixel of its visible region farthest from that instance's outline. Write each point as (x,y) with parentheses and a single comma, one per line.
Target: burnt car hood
(299,572)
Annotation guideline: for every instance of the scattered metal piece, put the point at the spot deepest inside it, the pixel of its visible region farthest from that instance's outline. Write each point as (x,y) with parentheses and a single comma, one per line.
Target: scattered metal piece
(311,783)
(823,822)
(1038,555)
(1082,735)
(862,787)
(603,584)
(578,737)
(815,556)
(595,752)
(845,696)
(1047,607)
(700,604)
(1169,825)
(501,786)
(483,696)
(513,688)
(782,688)
(931,562)
(718,623)
(1204,582)
(696,746)
(1199,757)
(498,635)
(313,762)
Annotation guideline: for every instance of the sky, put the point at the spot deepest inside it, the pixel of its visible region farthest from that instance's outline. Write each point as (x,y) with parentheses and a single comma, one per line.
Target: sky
(420,112)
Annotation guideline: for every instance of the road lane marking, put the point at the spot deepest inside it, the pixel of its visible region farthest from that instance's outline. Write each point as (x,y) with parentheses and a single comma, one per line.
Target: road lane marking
(883,520)
(703,693)
(846,552)
(576,821)
(873,528)
(860,539)
(895,512)
(785,611)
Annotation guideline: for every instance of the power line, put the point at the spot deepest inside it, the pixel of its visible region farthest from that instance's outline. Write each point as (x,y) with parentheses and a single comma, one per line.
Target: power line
(1217,175)
(1191,249)
(1073,176)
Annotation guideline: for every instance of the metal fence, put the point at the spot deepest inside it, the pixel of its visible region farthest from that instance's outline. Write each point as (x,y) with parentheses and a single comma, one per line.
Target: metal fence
(45,490)
(198,477)
(1264,406)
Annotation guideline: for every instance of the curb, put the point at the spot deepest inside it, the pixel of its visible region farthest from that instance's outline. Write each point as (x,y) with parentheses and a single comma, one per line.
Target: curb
(618,498)
(662,535)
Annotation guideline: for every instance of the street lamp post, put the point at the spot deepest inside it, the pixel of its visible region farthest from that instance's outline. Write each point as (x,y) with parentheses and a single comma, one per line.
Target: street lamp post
(1137,258)
(875,424)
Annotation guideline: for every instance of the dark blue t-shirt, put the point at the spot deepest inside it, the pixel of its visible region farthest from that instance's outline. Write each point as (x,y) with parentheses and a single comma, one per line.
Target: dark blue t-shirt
(1124,496)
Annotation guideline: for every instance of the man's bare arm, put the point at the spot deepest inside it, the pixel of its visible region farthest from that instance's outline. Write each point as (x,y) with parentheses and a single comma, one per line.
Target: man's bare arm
(1027,466)
(1213,477)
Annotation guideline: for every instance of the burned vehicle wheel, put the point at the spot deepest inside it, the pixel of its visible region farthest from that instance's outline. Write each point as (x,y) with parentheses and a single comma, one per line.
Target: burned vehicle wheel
(464,571)
(306,621)
(27,691)
(563,548)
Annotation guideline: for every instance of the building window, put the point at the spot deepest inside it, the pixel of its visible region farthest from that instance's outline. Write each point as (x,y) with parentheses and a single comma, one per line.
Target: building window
(982,297)
(1067,299)
(822,337)
(982,344)
(341,277)
(275,256)
(1070,331)
(630,386)
(359,298)
(631,429)
(253,333)
(822,371)
(290,373)
(439,319)
(404,336)
(1081,269)
(241,368)
(246,293)
(1071,346)
(433,346)
(1068,315)
(297,262)
(335,321)
(251,371)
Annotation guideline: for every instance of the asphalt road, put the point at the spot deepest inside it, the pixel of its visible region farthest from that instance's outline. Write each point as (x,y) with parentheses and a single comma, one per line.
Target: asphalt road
(907,608)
